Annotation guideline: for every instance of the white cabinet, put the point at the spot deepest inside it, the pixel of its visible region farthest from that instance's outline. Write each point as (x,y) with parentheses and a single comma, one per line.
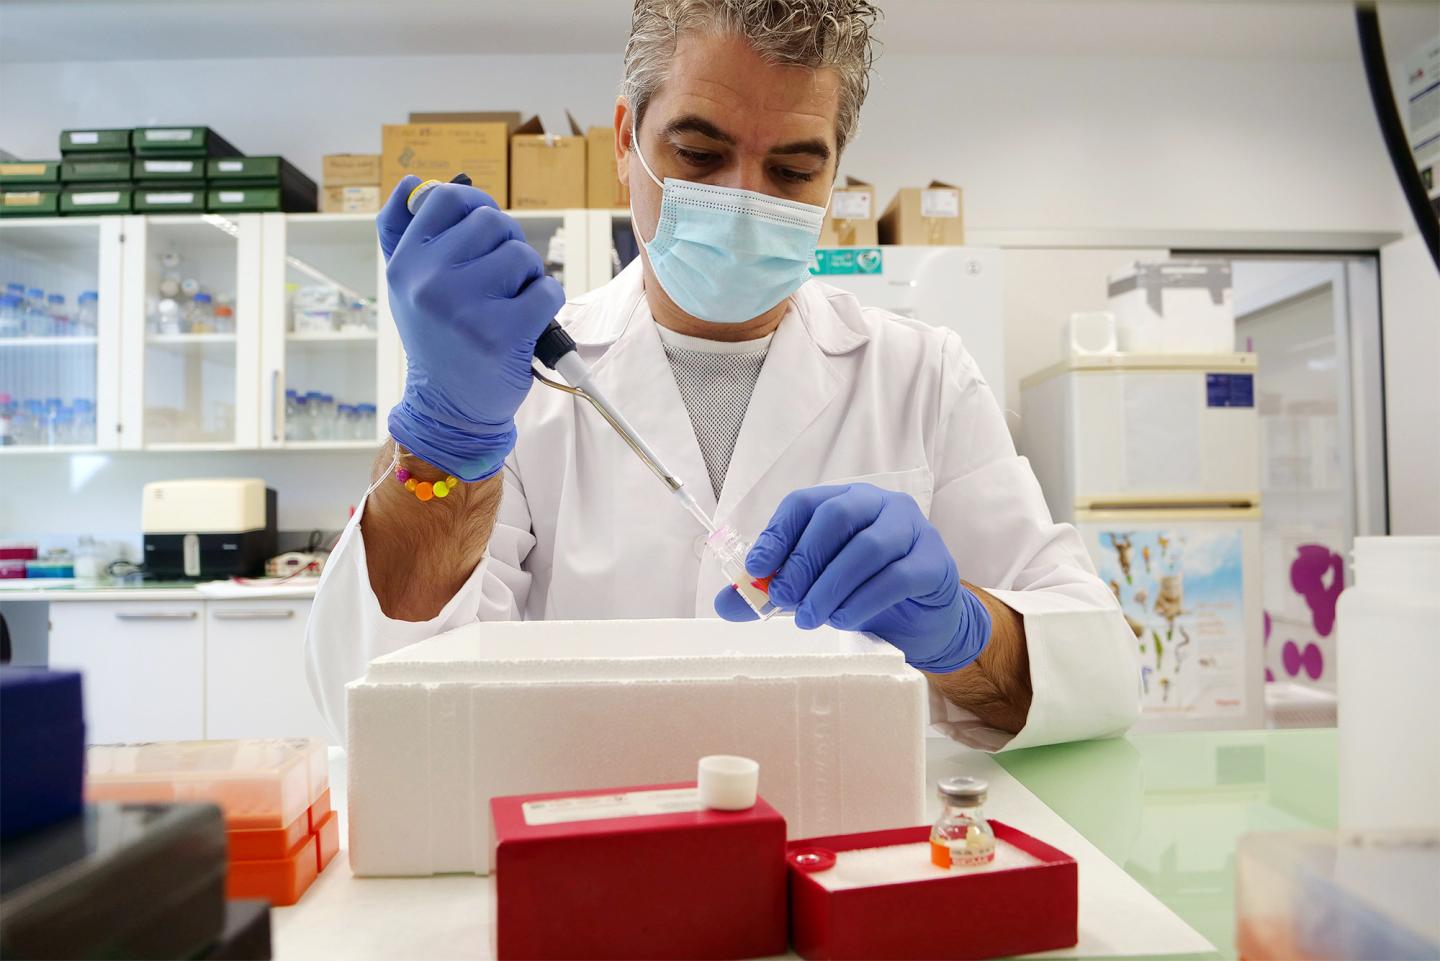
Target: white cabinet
(179,670)
(59,373)
(190,349)
(142,664)
(255,670)
(329,372)
(166,370)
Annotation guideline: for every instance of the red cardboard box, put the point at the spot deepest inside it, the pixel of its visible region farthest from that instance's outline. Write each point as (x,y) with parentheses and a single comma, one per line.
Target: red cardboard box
(974,914)
(641,872)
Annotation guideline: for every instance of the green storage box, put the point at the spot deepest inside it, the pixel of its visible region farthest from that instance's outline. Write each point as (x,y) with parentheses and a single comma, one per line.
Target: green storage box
(89,201)
(298,192)
(24,173)
(243,199)
(29,203)
(169,199)
(95,169)
(169,169)
(189,141)
(94,141)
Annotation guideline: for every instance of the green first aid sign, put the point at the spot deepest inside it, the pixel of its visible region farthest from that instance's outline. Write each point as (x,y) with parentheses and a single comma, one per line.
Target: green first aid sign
(848,260)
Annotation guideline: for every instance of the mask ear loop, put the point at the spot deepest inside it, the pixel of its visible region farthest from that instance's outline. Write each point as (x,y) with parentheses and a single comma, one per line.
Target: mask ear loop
(635,146)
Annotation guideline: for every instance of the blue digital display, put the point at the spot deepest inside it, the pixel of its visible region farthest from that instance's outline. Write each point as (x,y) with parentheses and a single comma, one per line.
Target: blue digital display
(1229,390)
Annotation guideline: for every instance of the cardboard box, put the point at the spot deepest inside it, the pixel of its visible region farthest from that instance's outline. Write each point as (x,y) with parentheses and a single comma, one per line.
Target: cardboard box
(603,189)
(510,118)
(441,150)
(850,221)
(28,173)
(643,872)
(1005,910)
(94,141)
(928,216)
(29,203)
(188,141)
(350,200)
(85,200)
(350,169)
(547,171)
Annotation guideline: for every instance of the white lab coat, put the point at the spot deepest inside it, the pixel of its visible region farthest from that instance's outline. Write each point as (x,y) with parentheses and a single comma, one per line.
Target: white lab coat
(847,393)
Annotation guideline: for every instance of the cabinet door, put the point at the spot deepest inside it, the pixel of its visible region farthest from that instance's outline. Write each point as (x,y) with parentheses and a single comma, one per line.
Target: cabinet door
(191,332)
(323,356)
(255,670)
(142,664)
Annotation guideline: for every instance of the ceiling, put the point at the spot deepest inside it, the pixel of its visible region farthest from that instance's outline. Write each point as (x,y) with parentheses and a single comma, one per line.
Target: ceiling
(68,30)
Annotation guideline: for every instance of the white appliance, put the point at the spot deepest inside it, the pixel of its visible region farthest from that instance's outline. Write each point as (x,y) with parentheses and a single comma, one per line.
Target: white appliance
(1154,459)
(955,287)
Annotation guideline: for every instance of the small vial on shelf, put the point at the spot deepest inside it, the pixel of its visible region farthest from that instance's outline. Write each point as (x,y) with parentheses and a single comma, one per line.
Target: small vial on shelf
(200,315)
(962,838)
(86,319)
(12,317)
(297,427)
(730,551)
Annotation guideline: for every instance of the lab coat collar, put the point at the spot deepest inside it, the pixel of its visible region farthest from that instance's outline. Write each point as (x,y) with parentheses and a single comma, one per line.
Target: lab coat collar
(601,317)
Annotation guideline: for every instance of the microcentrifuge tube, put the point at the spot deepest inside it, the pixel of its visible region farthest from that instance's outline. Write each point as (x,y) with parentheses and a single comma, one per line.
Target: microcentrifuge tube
(730,551)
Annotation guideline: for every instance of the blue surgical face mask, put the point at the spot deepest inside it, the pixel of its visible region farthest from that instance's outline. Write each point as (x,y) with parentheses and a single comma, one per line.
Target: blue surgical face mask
(726,255)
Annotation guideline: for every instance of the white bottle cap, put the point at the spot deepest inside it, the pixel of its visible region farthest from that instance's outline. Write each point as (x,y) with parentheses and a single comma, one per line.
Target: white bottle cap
(728,783)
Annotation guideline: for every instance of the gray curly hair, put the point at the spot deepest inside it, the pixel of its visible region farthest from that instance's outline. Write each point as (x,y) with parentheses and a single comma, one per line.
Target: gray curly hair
(804,33)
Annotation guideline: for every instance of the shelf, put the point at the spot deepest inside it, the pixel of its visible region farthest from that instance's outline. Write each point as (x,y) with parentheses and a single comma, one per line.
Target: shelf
(368,445)
(203,447)
(189,338)
(48,342)
(24,449)
(339,336)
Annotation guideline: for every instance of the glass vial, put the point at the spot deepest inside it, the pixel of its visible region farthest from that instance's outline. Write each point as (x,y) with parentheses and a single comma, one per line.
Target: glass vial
(962,838)
(729,551)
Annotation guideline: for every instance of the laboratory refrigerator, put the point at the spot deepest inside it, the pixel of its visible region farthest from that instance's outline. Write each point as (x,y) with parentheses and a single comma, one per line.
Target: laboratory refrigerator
(1154,459)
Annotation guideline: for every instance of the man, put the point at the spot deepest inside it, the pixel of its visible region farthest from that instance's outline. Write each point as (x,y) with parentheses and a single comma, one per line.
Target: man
(865,450)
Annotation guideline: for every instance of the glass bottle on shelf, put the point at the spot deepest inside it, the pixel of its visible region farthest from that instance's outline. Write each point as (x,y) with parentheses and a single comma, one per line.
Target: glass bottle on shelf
(365,429)
(224,319)
(59,315)
(12,317)
(86,320)
(7,421)
(962,838)
(200,315)
(37,318)
(34,297)
(297,427)
(168,319)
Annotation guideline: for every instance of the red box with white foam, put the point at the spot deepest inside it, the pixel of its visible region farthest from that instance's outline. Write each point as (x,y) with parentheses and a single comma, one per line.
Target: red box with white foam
(643,872)
(877,895)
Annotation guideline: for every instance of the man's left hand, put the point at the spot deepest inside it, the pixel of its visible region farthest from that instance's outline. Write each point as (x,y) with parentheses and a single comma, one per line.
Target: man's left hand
(860,558)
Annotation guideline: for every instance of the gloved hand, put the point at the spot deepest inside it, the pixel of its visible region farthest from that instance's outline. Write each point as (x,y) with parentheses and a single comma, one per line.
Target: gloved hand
(470,298)
(864,559)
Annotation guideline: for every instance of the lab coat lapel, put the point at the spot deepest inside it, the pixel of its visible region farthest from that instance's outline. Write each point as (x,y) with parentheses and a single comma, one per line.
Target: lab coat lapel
(635,374)
(797,382)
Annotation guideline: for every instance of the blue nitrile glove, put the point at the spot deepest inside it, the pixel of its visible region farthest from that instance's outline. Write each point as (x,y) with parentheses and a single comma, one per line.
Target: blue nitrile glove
(470,298)
(864,559)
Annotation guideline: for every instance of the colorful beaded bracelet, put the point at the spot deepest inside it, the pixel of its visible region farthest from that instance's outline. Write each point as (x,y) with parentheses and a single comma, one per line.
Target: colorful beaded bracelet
(426,489)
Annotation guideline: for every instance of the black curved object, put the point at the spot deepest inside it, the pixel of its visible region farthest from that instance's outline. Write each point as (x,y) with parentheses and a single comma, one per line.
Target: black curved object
(1377,75)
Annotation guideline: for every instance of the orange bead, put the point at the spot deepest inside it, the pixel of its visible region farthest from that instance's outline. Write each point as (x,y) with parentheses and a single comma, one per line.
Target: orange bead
(411,484)
(424,490)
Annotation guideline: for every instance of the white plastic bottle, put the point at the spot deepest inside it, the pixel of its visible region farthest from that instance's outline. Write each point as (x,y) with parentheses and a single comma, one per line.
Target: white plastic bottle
(1388,670)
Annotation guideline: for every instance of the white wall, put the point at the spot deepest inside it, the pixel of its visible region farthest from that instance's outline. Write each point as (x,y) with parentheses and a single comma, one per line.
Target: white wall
(1036,141)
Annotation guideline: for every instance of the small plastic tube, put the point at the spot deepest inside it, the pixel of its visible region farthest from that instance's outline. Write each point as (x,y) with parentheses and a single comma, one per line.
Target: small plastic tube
(728,783)
(730,551)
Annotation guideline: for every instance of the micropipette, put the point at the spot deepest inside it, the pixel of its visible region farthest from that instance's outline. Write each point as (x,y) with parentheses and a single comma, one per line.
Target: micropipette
(556,350)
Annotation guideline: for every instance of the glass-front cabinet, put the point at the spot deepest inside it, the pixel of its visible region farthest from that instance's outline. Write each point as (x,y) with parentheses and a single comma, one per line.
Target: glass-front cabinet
(330,365)
(58,316)
(560,237)
(191,322)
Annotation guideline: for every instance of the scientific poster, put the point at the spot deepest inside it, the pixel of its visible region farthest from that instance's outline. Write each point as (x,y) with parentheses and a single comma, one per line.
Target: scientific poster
(1182,589)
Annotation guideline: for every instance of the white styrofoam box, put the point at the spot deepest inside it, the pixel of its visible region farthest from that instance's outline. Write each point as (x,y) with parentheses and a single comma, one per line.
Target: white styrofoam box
(1089,332)
(836,720)
(1126,430)
(1174,306)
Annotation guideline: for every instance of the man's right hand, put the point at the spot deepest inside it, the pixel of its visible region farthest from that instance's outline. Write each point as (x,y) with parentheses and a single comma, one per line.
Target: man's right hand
(470,298)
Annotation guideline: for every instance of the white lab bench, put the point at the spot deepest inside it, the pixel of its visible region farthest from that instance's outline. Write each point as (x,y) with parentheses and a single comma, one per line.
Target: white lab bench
(177,663)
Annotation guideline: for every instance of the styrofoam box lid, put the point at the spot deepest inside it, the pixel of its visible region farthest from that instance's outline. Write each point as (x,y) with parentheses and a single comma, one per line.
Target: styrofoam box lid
(678,648)
(264,781)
